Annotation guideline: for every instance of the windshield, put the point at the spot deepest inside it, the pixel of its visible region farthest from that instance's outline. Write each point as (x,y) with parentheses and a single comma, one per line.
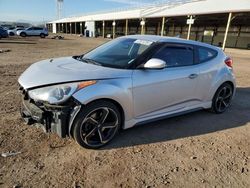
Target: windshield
(118,53)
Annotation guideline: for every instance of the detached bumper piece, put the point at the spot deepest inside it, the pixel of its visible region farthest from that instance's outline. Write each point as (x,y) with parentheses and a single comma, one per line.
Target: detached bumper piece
(53,119)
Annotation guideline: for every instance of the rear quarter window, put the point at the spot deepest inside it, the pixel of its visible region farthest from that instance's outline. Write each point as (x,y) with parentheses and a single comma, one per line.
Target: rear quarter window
(176,55)
(206,54)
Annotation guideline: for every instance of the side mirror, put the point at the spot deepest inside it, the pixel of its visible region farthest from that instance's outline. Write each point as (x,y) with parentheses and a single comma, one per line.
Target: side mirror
(155,64)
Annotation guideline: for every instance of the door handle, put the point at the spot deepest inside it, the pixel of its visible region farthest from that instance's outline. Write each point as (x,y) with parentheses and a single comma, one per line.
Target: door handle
(193,76)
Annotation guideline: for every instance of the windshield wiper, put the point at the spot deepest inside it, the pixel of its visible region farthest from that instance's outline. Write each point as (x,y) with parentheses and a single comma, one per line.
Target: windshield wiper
(90,61)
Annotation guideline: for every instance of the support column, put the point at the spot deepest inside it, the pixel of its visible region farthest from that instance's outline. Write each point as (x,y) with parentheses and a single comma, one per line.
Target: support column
(126,29)
(62,28)
(59,27)
(159,28)
(143,23)
(189,28)
(75,28)
(81,28)
(163,25)
(212,41)
(226,32)
(238,35)
(113,24)
(173,29)
(70,25)
(103,29)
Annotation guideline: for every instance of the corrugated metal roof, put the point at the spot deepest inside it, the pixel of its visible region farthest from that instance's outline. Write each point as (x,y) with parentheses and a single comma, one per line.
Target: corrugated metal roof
(195,7)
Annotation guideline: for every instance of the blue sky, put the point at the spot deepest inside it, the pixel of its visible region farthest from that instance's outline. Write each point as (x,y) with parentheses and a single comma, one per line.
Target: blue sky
(39,10)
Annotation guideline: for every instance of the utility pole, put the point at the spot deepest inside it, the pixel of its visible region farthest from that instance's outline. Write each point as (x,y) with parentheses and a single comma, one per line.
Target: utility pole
(59,6)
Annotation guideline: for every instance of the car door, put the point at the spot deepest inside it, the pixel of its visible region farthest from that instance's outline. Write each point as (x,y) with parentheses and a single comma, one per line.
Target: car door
(172,88)
(36,31)
(29,31)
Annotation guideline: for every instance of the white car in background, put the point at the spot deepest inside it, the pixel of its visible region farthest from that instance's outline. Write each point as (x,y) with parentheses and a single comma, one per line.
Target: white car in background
(33,31)
(13,31)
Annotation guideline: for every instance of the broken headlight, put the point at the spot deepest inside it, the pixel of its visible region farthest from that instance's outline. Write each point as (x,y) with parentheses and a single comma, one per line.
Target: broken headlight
(58,93)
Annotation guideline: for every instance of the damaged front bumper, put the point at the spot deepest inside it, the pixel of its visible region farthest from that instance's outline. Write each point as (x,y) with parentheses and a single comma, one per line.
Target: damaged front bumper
(51,118)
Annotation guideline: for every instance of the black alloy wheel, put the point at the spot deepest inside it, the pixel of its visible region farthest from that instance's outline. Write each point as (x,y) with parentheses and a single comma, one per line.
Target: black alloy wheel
(97,124)
(222,99)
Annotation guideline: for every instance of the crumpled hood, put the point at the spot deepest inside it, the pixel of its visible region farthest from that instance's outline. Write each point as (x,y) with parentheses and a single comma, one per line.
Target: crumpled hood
(67,69)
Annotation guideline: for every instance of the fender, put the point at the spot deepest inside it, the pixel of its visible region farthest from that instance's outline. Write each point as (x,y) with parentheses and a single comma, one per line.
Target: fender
(219,80)
(119,90)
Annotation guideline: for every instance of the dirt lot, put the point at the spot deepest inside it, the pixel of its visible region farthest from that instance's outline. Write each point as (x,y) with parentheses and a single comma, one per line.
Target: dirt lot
(195,150)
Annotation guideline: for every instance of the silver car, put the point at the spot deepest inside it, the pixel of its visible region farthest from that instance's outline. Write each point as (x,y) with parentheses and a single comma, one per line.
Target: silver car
(33,31)
(13,31)
(129,81)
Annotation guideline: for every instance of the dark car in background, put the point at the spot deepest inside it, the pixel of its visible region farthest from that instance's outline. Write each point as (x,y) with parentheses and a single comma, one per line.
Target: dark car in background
(3,33)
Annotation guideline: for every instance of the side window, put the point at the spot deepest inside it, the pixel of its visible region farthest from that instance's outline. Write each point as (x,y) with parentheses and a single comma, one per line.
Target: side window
(206,54)
(176,55)
(38,28)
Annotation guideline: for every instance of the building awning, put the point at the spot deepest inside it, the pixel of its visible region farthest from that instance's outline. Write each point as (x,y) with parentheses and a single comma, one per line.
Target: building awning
(188,7)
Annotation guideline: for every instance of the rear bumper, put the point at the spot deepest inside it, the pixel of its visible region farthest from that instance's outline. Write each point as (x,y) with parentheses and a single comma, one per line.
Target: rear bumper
(53,119)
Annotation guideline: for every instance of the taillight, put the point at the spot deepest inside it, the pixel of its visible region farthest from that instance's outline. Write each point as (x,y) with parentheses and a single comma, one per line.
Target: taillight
(229,62)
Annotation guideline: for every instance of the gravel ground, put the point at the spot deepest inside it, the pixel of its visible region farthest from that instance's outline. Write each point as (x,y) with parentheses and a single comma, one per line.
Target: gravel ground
(200,149)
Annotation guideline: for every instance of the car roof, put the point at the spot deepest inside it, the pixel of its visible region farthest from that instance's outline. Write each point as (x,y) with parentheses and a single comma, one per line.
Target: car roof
(155,38)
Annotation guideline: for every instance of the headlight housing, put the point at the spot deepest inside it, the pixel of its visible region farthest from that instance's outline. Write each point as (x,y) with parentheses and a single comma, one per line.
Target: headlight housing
(58,93)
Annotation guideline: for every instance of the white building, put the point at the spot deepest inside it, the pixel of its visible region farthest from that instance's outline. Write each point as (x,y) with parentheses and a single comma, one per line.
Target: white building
(218,22)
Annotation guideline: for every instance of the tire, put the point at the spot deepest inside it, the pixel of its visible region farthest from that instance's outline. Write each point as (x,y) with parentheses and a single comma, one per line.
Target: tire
(42,35)
(97,124)
(222,98)
(23,34)
(0,37)
(12,34)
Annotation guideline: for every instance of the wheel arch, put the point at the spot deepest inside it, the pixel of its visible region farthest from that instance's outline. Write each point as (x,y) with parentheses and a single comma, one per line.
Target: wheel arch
(23,32)
(117,104)
(231,84)
(226,82)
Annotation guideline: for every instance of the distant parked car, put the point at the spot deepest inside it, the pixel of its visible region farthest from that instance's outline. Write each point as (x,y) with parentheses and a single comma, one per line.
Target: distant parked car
(3,33)
(13,30)
(33,31)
